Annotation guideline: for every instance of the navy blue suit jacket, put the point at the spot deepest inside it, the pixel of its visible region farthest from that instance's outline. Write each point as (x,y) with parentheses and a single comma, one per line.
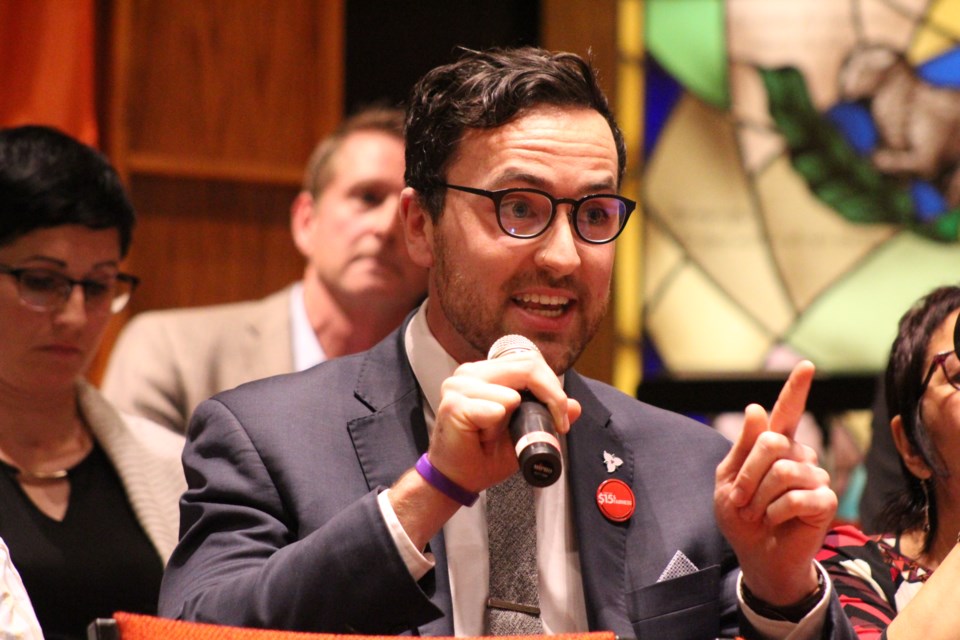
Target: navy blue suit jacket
(280,526)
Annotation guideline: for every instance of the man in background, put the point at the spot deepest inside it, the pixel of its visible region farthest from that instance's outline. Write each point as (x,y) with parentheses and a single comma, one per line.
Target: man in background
(358,285)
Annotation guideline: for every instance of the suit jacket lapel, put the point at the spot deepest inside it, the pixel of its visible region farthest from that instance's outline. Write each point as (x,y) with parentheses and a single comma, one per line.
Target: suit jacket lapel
(268,343)
(389,439)
(388,442)
(259,347)
(153,485)
(602,542)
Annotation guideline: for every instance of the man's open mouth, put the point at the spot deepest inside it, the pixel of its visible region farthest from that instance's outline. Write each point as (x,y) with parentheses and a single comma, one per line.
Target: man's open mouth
(544,305)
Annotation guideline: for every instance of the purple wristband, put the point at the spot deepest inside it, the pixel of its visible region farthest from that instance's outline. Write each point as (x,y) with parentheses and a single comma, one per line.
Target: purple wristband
(443,484)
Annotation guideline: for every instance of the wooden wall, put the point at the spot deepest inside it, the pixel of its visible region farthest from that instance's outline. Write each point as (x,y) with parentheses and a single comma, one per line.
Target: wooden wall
(212,108)
(589,28)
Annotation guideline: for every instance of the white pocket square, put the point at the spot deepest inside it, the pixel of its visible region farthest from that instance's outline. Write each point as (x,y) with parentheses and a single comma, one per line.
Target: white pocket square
(678,567)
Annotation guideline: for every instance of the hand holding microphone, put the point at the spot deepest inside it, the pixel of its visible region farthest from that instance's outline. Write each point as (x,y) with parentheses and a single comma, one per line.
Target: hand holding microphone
(469,420)
(531,425)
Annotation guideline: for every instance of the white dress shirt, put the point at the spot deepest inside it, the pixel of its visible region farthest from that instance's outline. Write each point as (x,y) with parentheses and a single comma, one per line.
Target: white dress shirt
(307,350)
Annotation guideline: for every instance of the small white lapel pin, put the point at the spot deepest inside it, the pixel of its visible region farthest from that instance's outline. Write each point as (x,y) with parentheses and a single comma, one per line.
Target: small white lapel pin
(611,461)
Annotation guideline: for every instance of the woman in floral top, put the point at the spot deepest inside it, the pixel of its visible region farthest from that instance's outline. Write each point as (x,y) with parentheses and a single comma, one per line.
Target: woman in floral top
(905,584)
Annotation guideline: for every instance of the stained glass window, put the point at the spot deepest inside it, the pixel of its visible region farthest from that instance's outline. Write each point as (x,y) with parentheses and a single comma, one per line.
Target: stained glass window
(801,177)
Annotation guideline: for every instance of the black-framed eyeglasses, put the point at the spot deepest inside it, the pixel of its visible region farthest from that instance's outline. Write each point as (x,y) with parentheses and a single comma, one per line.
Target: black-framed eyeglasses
(527,213)
(46,290)
(949,363)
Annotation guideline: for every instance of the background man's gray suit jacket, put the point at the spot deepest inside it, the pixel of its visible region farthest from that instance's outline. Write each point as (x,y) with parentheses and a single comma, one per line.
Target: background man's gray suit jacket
(167,362)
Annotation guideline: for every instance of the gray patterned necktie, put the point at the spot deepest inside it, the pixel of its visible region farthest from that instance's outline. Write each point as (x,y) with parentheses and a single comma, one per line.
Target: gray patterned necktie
(513,605)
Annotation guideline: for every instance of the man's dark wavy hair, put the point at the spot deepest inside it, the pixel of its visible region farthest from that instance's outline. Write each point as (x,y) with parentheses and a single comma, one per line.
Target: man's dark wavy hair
(485,90)
(48,179)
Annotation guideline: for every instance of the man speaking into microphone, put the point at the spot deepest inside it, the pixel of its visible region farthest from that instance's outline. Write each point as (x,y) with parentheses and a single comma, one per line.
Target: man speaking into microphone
(379,493)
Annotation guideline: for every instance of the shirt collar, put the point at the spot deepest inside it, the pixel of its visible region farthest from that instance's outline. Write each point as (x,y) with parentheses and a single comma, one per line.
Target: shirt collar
(307,350)
(431,364)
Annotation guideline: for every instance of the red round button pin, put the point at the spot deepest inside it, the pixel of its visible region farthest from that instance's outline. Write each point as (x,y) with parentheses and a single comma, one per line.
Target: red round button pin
(616,500)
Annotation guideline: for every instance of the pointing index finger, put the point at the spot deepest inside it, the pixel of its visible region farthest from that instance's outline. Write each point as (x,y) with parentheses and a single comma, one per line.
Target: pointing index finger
(792,400)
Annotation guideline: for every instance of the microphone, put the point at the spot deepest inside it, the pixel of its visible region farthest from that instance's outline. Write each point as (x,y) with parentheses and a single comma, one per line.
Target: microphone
(531,426)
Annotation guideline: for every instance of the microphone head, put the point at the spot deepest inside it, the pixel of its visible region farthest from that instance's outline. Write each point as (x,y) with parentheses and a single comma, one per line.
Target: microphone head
(511,343)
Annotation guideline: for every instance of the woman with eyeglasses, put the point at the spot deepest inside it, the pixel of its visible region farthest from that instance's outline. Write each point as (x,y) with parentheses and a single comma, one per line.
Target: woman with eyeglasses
(88,497)
(905,584)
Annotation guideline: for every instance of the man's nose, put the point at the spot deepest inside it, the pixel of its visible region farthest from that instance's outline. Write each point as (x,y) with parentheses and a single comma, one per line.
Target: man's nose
(558,251)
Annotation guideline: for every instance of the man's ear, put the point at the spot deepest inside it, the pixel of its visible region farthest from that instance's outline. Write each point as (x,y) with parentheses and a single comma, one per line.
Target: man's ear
(417,228)
(911,457)
(301,221)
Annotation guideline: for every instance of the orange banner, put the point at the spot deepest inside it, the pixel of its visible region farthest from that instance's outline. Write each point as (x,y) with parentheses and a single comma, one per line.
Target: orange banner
(47,65)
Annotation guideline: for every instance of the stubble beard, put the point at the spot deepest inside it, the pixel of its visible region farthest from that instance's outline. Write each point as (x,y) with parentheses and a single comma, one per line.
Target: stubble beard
(480,326)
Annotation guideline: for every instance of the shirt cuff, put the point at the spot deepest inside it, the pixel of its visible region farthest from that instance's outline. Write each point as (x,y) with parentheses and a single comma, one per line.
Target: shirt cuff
(418,564)
(808,628)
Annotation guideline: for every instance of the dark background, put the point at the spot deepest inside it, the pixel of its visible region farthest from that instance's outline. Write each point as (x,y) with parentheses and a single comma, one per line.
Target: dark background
(390,44)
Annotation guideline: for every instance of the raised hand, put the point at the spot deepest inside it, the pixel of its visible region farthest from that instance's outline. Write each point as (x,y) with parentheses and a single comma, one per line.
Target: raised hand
(772,500)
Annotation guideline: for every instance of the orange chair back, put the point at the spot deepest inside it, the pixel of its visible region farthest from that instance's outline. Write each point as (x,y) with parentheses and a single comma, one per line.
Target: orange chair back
(133,626)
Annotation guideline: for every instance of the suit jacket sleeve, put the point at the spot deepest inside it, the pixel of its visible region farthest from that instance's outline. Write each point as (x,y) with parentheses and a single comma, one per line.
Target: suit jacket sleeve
(243,558)
(834,625)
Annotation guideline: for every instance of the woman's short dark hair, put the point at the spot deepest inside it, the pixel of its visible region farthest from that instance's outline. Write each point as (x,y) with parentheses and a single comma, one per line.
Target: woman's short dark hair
(906,369)
(48,179)
(485,90)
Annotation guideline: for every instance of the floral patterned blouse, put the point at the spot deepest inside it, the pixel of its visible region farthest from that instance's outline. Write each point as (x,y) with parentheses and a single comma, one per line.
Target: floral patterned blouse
(872,577)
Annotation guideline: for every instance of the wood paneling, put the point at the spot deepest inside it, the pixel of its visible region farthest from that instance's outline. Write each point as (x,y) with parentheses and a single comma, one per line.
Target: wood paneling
(213,107)
(229,89)
(205,242)
(588,29)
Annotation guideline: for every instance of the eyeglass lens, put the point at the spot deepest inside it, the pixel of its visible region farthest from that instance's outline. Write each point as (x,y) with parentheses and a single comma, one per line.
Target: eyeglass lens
(46,290)
(950,364)
(525,214)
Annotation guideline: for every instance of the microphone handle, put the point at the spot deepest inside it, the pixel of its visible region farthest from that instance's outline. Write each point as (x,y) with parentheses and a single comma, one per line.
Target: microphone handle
(535,439)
